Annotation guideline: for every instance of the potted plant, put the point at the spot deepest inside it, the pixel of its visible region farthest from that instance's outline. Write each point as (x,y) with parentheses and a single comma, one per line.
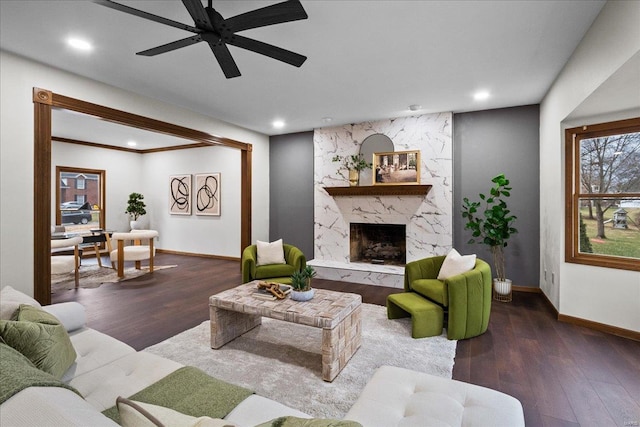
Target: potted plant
(301,289)
(135,209)
(354,163)
(492,226)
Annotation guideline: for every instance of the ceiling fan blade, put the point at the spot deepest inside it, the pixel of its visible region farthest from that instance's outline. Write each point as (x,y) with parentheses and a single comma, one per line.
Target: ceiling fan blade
(269,50)
(199,14)
(145,15)
(287,11)
(171,46)
(226,61)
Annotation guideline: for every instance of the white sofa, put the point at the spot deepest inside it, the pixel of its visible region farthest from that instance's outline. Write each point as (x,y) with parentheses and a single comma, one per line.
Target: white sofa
(106,368)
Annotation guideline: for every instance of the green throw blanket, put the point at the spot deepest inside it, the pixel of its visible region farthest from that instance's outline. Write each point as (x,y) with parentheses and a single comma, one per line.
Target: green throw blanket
(19,373)
(190,391)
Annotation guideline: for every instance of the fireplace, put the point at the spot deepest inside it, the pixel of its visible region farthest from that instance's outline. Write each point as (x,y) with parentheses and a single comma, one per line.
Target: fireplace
(378,243)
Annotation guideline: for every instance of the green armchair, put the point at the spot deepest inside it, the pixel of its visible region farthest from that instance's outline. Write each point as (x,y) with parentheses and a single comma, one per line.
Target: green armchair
(280,273)
(467,296)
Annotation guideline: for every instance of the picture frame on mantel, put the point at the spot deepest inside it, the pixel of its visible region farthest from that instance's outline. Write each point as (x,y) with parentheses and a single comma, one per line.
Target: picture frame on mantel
(396,168)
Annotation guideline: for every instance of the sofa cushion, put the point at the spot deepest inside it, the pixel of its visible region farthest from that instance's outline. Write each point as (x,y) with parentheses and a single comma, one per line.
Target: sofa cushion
(270,253)
(94,350)
(55,407)
(455,264)
(434,289)
(140,414)
(274,270)
(122,377)
(19,373)
(41,338)
(10,300)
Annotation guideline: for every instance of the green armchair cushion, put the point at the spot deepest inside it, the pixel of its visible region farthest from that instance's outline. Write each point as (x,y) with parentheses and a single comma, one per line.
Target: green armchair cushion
(467,295)
(277,272)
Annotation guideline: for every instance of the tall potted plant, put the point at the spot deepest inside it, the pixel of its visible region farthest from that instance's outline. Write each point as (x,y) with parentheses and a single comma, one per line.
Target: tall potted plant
(354,163)
(135,209)
(492,225)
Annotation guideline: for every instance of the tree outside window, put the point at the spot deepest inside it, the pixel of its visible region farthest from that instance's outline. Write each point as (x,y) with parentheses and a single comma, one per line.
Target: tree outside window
(603,194)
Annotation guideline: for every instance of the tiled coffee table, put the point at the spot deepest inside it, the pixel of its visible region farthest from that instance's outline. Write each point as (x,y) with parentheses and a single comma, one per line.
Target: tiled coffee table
(236,311)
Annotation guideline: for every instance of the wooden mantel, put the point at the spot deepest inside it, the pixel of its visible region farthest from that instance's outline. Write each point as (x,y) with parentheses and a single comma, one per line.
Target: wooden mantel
(379,190)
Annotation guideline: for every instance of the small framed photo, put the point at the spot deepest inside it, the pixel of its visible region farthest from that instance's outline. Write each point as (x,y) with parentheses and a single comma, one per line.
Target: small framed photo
(396,168)
(180,195)
(207,194)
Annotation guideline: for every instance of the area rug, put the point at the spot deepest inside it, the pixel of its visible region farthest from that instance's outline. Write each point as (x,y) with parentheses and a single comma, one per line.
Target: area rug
(92,276)
(282,361)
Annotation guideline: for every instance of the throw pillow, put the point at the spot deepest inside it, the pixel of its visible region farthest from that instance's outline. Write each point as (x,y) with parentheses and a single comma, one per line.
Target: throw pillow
(455,264)
(10,299)
(308,422)
(41,338)
(139,414)
(270,253)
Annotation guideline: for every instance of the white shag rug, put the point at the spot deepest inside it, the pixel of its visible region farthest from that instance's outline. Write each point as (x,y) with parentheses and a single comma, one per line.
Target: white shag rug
(282,361)
(92,276)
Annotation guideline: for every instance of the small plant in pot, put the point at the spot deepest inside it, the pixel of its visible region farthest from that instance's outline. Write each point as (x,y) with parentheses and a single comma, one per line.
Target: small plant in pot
(492,225)
(135,209)
(354,163)
(301,289)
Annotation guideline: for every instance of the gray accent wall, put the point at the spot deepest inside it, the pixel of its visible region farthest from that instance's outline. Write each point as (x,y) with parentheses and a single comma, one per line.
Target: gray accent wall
(485,144)
(291,190)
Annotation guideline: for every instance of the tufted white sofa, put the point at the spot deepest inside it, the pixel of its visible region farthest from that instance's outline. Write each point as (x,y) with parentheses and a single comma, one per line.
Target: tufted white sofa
(106,368)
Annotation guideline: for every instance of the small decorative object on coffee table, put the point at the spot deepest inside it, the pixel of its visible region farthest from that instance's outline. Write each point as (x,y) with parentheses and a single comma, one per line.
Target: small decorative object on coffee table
(301,283)
(236,311)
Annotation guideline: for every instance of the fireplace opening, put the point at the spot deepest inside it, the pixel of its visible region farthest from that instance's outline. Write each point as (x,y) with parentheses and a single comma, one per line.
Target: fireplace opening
(378,243)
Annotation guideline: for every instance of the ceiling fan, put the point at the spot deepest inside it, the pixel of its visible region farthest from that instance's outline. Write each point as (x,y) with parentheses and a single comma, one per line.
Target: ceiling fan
(218,32)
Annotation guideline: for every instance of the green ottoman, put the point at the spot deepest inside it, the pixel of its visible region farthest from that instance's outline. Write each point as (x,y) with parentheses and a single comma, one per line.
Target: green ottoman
(426,316)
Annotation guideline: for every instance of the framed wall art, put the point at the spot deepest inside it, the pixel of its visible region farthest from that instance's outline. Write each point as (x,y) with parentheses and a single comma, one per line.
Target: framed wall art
(207,194)
(396,168)
(180,195)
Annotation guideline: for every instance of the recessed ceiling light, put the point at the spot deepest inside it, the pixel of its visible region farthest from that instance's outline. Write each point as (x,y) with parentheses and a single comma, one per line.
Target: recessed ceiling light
(132,143)
(327,119)
(481,95)
(278,124)
(415,107)
(79,44)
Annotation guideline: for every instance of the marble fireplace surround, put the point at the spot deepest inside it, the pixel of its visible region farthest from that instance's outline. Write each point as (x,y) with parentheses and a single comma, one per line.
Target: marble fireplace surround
(428,219)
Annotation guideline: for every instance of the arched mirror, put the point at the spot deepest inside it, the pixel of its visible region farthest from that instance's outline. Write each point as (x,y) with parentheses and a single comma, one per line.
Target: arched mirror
(376,143)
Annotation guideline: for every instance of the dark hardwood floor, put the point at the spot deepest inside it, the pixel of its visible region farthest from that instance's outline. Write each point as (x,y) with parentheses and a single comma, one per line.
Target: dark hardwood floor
(564,375)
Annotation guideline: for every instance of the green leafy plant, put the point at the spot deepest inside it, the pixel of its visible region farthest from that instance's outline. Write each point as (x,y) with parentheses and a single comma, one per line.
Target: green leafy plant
(135,206)
(352,162)
(301,280)
(493,225)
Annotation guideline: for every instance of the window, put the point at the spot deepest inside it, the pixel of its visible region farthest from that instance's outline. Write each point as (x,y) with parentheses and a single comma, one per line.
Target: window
(603,194)
(80,198)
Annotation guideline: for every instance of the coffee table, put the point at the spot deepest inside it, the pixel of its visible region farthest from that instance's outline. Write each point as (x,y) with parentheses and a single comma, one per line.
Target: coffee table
(236,311)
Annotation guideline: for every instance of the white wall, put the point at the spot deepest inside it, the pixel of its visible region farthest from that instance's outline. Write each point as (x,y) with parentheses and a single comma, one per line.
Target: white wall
(17,78)
(597,294)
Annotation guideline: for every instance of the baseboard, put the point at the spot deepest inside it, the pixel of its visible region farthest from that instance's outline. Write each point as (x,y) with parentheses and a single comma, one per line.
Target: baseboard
(614,330)
(226,258)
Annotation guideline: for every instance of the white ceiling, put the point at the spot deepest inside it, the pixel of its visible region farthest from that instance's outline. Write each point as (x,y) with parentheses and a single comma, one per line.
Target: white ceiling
(367,60)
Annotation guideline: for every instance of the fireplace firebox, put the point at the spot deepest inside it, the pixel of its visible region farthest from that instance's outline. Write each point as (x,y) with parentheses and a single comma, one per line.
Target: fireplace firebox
(378,243)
